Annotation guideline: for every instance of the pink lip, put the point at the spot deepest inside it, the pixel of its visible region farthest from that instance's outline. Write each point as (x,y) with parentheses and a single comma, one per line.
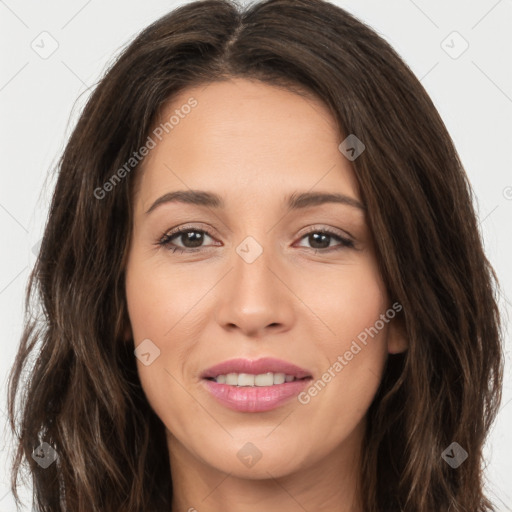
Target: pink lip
(255,399)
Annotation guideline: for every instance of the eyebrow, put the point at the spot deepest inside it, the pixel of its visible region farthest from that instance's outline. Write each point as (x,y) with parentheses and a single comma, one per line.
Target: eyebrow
(294,202)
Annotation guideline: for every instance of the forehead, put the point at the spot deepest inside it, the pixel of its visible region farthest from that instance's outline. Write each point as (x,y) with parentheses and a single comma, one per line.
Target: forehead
(247,137)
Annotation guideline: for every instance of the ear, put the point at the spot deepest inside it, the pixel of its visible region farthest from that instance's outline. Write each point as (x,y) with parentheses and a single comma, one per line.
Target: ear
(128,335)
(397,335)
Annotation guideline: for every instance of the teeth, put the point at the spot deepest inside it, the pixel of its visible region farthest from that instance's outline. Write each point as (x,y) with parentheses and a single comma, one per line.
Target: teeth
(232,379)
(244,379)
(247,379)
(279,378)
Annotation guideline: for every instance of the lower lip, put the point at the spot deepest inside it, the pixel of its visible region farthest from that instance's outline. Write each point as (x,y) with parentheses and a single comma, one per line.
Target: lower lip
(255,399)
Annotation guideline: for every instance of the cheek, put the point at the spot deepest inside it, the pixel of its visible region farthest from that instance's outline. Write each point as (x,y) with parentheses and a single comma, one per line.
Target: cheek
(353,348)
(162,303)
(158,296)
(342,303)
(346,301)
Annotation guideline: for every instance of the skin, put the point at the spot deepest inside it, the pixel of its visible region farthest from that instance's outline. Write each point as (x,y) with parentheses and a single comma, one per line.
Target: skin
(254,144)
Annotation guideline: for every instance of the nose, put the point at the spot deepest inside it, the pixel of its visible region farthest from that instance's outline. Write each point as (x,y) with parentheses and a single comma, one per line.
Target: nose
(256,296)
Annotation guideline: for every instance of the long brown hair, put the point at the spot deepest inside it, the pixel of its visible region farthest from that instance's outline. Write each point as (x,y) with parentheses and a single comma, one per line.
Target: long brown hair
(75,377)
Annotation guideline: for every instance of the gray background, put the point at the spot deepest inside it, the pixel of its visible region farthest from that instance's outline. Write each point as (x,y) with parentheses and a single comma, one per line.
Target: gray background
(42,95)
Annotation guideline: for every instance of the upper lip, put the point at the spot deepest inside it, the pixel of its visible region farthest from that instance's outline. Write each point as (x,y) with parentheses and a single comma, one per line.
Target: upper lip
(255,367)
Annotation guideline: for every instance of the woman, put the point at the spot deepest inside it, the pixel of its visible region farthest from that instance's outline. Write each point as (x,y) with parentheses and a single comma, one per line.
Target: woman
(262,280)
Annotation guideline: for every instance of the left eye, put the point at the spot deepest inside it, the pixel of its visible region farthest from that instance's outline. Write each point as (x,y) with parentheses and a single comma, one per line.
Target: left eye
(318,237)
(193,239)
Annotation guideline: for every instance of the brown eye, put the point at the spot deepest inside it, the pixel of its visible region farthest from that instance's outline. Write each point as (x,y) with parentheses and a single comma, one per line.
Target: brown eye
(191,238)
(320,240)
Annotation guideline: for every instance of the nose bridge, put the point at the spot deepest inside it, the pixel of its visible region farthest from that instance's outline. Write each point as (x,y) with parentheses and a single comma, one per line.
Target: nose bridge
(253,297)
(252,277)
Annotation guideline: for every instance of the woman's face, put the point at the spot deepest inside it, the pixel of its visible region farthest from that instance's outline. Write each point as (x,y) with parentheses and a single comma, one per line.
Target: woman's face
(257,279)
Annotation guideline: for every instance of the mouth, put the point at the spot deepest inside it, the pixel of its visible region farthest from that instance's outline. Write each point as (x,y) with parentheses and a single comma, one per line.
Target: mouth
(250,380)
(244,385)
(260,368)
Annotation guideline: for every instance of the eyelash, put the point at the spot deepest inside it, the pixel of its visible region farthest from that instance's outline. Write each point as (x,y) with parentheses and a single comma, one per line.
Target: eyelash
(165,241)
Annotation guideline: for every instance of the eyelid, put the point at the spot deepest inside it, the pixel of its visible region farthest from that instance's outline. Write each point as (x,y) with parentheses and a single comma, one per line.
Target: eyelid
(187,227)
(194,226)
(323,227)
(345,242)
(206,228)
